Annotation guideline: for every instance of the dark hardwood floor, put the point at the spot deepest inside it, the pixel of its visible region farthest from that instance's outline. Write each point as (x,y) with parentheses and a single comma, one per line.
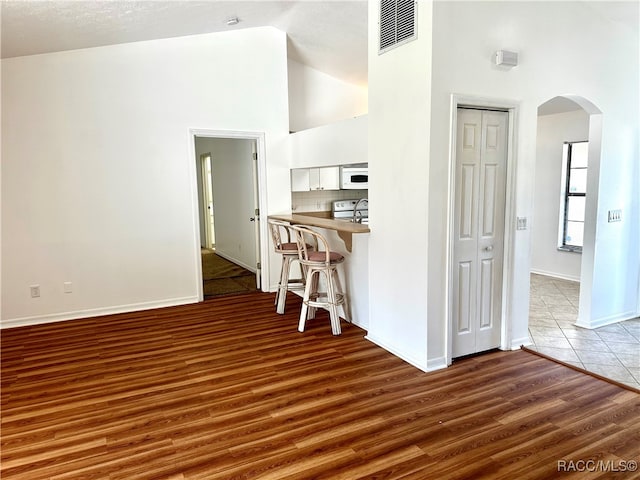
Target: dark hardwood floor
(228,389)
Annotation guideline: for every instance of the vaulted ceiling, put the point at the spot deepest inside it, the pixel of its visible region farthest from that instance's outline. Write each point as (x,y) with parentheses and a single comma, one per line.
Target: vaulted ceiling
(330,36)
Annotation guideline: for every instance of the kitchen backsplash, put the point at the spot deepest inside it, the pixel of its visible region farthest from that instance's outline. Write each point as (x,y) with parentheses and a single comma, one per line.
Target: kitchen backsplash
(321,200)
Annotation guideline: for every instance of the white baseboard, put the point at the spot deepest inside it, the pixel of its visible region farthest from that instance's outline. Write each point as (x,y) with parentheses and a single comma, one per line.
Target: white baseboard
(94,312)
(413,361)
(516,343)
(437,363)
(251,268)
(555,275)
(604,321)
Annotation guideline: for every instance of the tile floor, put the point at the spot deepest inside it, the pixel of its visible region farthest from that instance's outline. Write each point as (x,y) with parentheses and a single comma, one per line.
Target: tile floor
(612,351)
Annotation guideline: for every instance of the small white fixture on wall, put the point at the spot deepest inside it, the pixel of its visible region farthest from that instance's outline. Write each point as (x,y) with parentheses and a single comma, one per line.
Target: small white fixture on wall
(506,58)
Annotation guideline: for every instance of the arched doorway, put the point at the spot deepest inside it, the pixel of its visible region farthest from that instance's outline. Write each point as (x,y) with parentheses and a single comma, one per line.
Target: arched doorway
(572,119)
(558,227)
(566,194)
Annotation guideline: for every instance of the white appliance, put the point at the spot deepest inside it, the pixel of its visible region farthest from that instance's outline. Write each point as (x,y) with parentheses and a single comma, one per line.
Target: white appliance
(356,210)
(354,177)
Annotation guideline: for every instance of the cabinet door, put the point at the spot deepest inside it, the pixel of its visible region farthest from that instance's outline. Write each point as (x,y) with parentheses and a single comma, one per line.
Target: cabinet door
(314,179)
(329,178)
(324,178)
(300,180)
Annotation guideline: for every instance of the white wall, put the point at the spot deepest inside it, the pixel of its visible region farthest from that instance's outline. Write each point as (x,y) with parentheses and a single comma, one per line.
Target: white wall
(399,143)
(316,98)
(339,143)
(409,144)
(98,177)
(598,61)
(552,132)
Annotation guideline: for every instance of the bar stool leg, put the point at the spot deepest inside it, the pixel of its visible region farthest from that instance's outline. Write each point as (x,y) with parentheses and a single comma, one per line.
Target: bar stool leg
(305,300)
(345,303)
(279,283)
(333,307)
(313,295)
(281,298)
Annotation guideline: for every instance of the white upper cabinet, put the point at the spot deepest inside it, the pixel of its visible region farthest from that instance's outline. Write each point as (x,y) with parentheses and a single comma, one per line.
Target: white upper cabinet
(306,179)
(328,178)
(300,181)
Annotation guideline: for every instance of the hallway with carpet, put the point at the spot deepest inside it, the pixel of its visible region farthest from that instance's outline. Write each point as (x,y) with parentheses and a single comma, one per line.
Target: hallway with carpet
(222,277)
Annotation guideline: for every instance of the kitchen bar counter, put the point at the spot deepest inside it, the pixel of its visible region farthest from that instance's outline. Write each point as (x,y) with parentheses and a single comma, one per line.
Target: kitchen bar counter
(355,274)
(320,219)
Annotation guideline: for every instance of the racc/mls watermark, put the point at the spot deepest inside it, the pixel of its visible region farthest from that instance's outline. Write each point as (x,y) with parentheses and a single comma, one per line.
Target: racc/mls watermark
(597,466)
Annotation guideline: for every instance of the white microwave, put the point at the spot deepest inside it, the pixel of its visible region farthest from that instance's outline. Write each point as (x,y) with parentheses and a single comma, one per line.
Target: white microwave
(354,177)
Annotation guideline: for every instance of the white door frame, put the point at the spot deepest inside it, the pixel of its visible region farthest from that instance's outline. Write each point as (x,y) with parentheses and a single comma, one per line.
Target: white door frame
(512,108)
(262,199)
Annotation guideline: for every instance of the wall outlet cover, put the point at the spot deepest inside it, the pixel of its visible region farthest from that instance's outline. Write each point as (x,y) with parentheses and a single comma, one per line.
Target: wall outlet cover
(522,223)
(614,215)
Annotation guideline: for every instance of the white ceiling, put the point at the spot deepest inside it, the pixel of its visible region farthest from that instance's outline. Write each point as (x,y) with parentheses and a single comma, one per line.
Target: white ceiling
(330,36)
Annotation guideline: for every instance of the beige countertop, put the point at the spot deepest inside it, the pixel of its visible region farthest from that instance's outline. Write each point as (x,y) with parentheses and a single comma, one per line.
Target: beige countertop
(323,220)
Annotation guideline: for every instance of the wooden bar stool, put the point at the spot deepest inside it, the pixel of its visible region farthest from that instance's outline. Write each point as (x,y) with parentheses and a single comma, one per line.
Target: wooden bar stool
(317,262)
(284,243)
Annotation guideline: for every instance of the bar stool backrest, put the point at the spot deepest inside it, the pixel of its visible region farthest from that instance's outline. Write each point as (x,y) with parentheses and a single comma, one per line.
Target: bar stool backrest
(283,237)
(313,248)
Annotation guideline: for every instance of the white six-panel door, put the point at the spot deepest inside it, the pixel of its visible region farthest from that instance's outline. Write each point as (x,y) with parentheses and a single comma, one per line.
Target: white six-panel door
(481,153)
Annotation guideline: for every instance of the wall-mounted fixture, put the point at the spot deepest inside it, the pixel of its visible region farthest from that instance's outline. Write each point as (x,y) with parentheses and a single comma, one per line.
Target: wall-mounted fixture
(233,21)
(508,59)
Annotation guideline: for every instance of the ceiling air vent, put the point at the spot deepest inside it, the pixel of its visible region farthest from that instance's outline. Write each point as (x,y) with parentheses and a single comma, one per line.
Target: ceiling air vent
(397,23)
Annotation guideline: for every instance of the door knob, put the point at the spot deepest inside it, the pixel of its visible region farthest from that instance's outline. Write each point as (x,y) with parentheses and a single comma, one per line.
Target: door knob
(488,248)
(252,219)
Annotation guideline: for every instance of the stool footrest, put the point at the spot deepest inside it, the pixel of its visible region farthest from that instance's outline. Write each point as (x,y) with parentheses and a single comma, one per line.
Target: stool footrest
(316,300)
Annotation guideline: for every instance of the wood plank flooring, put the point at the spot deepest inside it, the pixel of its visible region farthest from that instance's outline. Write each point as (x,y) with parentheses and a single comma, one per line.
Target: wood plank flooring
(228,389)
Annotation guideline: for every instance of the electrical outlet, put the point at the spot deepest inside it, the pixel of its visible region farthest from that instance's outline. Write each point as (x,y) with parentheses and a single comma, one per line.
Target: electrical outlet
(615,215)
(68,287)
(521,223)
(35,291)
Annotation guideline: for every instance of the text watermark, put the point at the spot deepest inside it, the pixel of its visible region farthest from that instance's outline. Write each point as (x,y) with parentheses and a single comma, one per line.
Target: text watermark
(597,465)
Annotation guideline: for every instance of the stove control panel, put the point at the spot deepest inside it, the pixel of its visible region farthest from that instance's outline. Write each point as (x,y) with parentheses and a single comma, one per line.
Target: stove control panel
(348,205)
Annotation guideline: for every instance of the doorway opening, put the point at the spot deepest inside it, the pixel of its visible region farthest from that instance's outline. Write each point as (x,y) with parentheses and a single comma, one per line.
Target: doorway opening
(562,279)
(229,169)
(207,199)
(557,237)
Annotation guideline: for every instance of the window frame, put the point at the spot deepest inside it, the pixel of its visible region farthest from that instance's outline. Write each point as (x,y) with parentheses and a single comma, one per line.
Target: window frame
(566,195)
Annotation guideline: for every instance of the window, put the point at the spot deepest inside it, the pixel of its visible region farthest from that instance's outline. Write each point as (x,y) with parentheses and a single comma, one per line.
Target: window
(574,192)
